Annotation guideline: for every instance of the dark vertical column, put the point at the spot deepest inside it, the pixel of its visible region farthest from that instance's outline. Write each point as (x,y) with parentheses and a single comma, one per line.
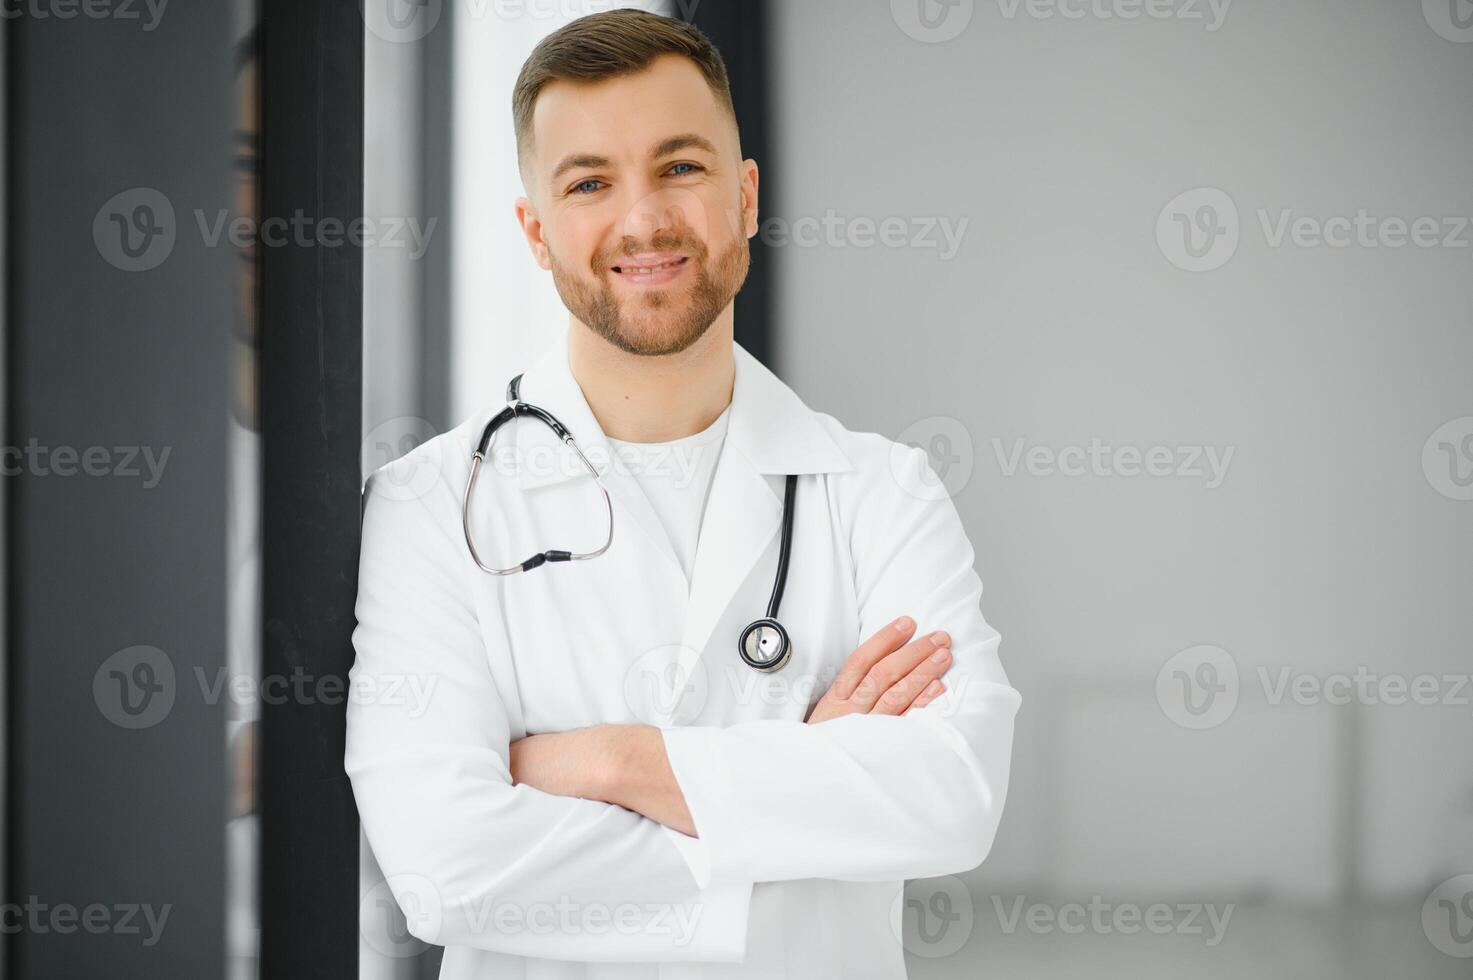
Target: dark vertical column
(739,29)
(436,170)
(310,324)
(118,314)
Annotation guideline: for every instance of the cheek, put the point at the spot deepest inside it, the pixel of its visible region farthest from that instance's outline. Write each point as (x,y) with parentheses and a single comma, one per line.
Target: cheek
(574,240)
(726,223)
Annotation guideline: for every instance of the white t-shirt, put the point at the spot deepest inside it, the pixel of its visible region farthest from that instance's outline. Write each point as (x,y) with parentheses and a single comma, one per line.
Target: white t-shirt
(676,479)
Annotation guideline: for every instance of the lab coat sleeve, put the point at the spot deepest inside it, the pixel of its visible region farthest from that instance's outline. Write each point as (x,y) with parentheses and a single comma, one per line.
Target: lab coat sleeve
(868,797)
(471,858)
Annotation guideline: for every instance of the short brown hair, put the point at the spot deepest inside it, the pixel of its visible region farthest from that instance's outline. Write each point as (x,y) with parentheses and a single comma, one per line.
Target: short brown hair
(607,45)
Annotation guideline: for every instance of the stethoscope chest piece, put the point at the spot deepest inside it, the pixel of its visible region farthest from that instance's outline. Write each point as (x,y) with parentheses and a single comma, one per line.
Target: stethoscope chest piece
(764,645)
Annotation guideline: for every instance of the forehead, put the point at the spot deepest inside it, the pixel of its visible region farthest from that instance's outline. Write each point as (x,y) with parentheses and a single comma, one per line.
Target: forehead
(622,118)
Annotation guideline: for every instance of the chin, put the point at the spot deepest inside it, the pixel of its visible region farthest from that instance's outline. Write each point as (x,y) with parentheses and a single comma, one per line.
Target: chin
(665,335)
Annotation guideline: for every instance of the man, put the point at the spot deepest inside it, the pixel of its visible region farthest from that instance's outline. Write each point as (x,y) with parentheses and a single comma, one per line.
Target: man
(592,775)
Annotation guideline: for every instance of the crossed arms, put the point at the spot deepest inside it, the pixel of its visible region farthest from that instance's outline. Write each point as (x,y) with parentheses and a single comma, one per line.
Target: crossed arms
(461,816)
(890,673)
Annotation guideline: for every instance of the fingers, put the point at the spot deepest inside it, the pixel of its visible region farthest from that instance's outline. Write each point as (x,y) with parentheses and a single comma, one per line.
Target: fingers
(886,641)
(898,679)
(932,691)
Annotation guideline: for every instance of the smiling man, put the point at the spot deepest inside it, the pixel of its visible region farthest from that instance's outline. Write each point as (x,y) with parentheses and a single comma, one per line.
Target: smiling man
(606,773)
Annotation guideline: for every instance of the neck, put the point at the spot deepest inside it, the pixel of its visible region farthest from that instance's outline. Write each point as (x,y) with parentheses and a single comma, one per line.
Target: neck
(639,398)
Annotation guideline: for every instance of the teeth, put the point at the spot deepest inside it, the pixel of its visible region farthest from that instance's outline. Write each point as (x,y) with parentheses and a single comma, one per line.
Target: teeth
(646,270)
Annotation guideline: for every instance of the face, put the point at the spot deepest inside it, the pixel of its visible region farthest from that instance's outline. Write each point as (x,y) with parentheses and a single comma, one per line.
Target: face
(640,204)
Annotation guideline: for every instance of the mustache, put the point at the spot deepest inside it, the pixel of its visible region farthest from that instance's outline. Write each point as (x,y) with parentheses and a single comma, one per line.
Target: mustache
(629,248)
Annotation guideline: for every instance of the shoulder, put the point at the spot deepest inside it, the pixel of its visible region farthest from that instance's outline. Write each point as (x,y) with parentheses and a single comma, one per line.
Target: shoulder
(881,469)
(423,465)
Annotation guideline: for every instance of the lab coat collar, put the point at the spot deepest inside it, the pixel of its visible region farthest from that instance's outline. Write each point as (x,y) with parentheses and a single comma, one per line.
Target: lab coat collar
(770,433)
(769,426)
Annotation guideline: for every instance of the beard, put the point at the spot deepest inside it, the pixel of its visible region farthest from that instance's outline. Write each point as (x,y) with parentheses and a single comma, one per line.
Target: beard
(653,322)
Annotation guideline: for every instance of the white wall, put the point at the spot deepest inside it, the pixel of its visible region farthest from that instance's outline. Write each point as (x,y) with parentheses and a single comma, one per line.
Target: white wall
(1060,320)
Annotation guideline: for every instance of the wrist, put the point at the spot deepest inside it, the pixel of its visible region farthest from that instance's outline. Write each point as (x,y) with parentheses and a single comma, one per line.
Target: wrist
(619,767)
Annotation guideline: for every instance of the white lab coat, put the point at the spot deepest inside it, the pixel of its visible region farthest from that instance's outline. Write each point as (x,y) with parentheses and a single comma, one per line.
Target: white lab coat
(806,831)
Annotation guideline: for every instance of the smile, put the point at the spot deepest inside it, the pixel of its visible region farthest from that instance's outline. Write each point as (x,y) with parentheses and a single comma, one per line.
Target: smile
(653,273)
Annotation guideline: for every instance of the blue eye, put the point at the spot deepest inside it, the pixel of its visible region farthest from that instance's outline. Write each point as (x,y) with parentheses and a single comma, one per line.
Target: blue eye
(578,187)
(693,168)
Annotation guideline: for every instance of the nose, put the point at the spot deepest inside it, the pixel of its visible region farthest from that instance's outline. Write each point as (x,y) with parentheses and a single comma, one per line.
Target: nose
(663,214)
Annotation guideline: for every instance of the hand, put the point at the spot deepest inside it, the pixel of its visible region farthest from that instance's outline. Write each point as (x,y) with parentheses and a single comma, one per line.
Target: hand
(572,763)
(887,675)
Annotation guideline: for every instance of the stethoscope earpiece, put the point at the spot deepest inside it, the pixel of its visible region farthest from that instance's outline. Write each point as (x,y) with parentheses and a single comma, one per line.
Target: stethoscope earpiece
(764,645)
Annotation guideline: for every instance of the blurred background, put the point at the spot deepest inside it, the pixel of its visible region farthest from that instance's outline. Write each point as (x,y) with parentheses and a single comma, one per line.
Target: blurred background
(1176,293)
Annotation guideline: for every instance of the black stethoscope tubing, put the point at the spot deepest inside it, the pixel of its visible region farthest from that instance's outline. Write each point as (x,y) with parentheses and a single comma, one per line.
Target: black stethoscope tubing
(763,645)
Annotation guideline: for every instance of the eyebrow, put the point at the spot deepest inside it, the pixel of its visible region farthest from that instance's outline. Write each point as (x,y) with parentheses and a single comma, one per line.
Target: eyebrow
(673,144)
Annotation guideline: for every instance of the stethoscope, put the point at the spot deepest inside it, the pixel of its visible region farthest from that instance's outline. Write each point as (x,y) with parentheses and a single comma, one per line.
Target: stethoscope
(763,645)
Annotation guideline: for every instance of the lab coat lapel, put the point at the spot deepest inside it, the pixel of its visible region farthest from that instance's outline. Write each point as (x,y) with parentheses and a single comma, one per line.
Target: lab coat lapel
(742,516)
(770,434)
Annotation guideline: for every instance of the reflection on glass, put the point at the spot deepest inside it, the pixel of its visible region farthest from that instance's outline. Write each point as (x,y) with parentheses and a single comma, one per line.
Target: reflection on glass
(243,532)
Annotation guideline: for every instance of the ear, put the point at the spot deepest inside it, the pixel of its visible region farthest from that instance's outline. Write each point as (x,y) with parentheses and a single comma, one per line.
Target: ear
(532,228)
(749,197)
